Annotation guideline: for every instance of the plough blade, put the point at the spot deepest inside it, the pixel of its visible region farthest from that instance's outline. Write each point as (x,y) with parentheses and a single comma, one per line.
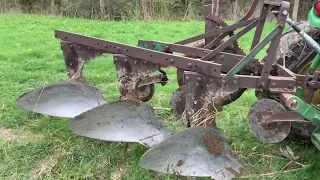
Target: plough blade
(121,121)
(195,152)
(67,99)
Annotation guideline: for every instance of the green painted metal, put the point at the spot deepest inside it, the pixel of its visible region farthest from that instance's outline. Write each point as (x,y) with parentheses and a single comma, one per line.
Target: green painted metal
(299,92)
(316,138)
(156,46)
(314,64)
(252,54)
(306,110)
(314,19)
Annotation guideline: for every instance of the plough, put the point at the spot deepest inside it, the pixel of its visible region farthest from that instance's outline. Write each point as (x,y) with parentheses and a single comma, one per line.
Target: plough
(211,73)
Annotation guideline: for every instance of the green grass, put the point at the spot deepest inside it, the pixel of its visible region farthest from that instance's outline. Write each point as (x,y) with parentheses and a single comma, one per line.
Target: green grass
(34,145)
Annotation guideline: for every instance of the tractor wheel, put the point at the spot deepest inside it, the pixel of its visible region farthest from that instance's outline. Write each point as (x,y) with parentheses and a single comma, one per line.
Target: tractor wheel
(297,56)
(145,93)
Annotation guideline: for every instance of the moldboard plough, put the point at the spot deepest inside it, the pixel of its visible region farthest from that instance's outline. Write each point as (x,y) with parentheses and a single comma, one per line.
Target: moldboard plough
(212,72)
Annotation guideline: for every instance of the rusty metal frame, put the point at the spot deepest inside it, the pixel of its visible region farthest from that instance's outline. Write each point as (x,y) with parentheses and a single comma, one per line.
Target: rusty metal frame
(212,63)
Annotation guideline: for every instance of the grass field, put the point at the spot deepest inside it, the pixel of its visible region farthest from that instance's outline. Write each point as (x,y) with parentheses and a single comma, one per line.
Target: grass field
(34,146)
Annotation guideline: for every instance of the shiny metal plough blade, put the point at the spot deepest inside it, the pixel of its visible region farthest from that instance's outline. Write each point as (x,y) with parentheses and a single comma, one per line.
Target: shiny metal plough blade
(121,121)
(66,99)
(195,152)
(261,119)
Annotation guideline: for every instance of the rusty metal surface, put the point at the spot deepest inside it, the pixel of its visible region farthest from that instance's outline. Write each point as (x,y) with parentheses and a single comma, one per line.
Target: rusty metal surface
(132,73)
(66,99)
(184,63)
(121,121)
(271,56)
(216,32)
(253,7)
(260,114)
(178,101)
(230,41)
(195,152)
(76,56)
(205,98)
(260,25)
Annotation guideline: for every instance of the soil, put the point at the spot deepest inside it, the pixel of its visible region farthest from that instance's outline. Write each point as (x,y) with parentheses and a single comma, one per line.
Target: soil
(180,163)
(7,134)
(214,145)
(232,171)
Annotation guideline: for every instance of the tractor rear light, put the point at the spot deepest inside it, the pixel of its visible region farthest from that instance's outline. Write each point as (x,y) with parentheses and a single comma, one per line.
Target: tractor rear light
(317,8)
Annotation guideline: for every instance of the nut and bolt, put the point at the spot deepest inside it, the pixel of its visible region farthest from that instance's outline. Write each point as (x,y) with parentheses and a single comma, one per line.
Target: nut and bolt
(135,62)
(273,84)
(285,13)
(199,79)
(195,102)
(189,64)
(125,60)
(172,61)
(293,104)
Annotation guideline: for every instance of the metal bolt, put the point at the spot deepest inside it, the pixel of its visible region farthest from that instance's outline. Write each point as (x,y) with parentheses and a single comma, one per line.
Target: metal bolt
(189,113)
(115,59)
(293,104)
(199,79)
(273,84)
(118,48)
(145,62)
(285,12)
(106,46)
(135,62)
(195,102)
(172,61)
(189,64)
(187,78)
(125,60)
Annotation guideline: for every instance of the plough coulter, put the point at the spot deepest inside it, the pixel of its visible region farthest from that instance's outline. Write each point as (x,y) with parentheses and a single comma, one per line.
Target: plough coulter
(212,72)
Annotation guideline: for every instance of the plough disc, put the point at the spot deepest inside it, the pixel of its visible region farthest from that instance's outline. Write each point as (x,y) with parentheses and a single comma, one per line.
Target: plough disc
(67,99)
(121,121)
(195,152)
(261,122)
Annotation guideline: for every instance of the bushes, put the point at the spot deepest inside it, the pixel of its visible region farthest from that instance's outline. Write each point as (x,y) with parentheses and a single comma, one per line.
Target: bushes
(132,9)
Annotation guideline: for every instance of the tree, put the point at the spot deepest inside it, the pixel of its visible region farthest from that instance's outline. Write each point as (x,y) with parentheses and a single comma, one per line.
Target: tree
(295,10)
(102,10)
